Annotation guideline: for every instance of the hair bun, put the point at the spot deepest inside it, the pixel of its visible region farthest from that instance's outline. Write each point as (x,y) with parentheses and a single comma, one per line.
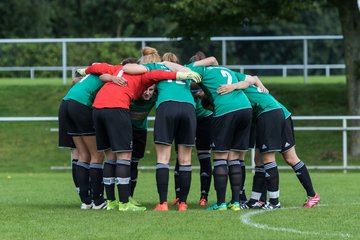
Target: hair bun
(148,51)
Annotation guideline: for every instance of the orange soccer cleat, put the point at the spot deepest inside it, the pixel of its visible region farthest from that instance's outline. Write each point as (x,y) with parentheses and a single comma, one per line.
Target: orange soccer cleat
(182,206)
(161,207)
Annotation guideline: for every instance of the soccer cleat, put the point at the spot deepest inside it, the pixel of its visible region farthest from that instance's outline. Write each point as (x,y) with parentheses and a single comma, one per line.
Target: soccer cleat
(312,201)
(129,207)
(112,204)
(175,201)
(133,201)
(202,201)
(101,206)
(269,206)
(86,206)
(161,207)
(249,205)
(234,206)
(182,206)
(221,207)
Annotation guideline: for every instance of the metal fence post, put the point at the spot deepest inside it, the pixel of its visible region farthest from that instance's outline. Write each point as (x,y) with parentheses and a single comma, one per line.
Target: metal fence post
(345,162)
(305,60)
(64,63)
(223,49)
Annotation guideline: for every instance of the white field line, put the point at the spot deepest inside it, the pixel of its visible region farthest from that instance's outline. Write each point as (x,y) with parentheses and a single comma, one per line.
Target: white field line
(246,219)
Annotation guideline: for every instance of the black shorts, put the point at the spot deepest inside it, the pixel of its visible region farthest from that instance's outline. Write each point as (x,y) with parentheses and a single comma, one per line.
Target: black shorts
(139,143)
(231,132)
(288,136)
(175,121)
(113,129)
(203,135)
(78,118)
(252,138)
(65,140)
(269,129)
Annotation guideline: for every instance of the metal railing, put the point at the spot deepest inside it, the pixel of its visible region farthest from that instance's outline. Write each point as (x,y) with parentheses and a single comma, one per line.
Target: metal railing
(344,128)
(305,65)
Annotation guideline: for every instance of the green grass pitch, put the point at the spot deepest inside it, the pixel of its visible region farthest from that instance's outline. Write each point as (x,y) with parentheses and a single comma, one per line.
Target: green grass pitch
(46,206)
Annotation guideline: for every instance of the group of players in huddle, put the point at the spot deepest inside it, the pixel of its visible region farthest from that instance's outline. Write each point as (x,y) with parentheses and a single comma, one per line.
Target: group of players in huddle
(201,104)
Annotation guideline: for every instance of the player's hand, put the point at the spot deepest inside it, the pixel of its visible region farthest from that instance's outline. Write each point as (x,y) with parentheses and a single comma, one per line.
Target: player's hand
(81,71)
(194,76)
(225,88)
(120,81)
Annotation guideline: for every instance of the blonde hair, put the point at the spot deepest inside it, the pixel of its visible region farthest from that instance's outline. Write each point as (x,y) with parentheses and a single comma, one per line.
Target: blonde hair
(149,55)
(171,57)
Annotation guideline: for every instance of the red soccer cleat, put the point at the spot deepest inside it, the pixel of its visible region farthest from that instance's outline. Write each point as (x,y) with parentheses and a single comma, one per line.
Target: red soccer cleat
(182,206)
(161,207)
(175,201)
(312,201)
(203,202)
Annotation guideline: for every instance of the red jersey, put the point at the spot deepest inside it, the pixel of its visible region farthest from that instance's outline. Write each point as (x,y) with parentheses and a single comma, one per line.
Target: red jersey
(112,95)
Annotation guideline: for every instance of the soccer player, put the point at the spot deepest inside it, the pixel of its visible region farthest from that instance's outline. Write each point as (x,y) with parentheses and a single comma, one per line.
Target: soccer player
(113,123)
(175,120)
(230,131)
(274,133)
(75,118)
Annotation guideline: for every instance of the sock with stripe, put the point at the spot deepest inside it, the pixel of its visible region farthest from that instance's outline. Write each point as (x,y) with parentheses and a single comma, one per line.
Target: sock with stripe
(83,177)
(272,181)
(243,175)
(205,173)
(235,177)
(109,179)
(220,174)
(122,180)
(96,182)
(185,181)
(134,175)
(176,179)
(73,173)
(162,181)
(258,186)
(303,175)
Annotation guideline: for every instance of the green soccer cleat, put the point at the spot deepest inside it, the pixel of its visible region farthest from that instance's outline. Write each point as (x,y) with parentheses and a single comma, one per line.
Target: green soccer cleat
(133,201)
(129,207)
(112,204)
(234,206)
(221,207)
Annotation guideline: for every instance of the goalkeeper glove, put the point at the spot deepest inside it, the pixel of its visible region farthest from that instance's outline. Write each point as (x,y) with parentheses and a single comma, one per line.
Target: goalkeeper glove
(81,71)
(194,76)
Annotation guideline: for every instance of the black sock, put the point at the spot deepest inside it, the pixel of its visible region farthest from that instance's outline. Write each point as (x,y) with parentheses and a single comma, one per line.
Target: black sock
(220,174)
(235,177)
(73,172)
(134,175)
(205,173)
(109,179)
(243,172)
(272,182)
(83,177)
(185,181)
(122,174)
(258,186)
(162,181)
(304,177)
(96,182)
(176,180)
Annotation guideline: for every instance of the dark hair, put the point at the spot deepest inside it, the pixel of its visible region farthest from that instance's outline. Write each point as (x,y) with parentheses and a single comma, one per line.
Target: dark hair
(198,56)
(129,60)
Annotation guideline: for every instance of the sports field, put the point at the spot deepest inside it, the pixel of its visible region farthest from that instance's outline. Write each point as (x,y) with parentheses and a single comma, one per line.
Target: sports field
(46,206)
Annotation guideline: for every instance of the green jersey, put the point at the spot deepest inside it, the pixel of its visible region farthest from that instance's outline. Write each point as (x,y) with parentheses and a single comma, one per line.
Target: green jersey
(214,77)
(260,101)
(171,90)
(200,111)
(85,90)
(139,111)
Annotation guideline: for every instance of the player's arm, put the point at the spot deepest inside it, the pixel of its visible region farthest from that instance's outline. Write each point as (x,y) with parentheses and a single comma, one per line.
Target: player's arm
(175,66)
(228,88)
(98,68)
(133,68)
(260,85)
(209,61)
(110,78)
